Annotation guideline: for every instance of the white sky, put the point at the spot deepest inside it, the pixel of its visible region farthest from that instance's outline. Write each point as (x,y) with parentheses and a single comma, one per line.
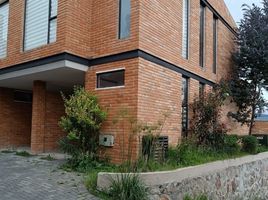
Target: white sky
(235,7)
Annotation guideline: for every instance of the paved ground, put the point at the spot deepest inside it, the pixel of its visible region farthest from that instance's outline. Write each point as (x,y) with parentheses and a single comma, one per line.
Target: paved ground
(32,178)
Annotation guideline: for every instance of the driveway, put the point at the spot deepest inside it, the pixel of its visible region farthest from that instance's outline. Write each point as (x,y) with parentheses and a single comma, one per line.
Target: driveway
(31,178)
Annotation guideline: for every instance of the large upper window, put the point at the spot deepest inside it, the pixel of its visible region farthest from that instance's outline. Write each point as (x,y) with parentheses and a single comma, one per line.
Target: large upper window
(202,36)
(124,18)
(40,23)
(4,10)
(111,79)
(185,29)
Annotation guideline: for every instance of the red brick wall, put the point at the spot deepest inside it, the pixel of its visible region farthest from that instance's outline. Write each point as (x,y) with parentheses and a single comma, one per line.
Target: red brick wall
(54,111)
(159,92)
(15,121)
(260,127)
(115,100)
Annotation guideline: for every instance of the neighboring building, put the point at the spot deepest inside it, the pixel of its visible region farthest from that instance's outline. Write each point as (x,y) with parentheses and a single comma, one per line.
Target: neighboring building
(147,55)
(261,125)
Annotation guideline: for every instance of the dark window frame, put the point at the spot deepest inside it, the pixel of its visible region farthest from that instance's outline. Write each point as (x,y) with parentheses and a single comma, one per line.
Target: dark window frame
(201,89)
(215,43)
(186,107)
(3,4)
(23,92)
(50,19)
(202,22)
(98,76)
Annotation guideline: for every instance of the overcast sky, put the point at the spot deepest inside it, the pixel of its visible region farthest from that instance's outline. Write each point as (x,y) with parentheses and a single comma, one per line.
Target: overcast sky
(235,7)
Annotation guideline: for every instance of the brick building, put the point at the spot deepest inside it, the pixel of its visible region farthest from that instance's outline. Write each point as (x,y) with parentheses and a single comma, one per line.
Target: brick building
(147,55)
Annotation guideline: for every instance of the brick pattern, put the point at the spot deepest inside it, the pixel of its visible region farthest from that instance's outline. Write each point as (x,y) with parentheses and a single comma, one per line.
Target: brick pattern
(15,121)
(38,117)
(260,127)
(115,100)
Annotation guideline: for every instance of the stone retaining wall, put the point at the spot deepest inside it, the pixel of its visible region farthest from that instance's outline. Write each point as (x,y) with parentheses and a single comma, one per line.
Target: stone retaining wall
(242,178)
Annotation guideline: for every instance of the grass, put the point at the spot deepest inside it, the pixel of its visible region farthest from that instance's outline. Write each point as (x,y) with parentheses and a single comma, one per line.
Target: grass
(48,158)
(7,151)
(23,154)
(199,197)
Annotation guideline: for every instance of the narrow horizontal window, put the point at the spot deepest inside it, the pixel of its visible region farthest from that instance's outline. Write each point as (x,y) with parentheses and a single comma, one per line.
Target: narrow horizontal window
(40,23)
(4,12)
(111,79)
(23,96)
(185,29)
(124,18)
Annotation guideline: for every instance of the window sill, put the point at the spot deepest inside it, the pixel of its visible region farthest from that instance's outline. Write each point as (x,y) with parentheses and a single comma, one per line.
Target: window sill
(110,88)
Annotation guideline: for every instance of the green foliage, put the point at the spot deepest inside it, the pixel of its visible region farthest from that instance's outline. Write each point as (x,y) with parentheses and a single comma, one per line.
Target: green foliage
(23,153)
(206,126)
(250,144)
(48,158)
(128,186)
(200,197)
(7,151)
(82,122)
(250,74)
(231,144)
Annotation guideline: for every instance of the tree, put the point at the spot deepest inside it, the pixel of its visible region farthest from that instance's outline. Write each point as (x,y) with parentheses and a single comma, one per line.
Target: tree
(250,74)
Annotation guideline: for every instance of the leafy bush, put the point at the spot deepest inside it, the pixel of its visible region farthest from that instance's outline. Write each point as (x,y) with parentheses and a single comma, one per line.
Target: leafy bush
(82,122)
(206,126)
(231,144)
(250,144)
(128,186)
(23,154)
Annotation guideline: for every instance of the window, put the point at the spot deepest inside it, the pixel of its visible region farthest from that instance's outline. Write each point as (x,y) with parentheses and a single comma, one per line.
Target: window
(124,15)
(202,36)
(23,96)
(4,11)
(40,23)
(185,29)
(215,43)
(111,79)
(201,89)
(185,91)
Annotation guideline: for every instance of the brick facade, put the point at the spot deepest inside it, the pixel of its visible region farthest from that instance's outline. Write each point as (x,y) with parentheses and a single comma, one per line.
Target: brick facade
(260,127)
(153,83)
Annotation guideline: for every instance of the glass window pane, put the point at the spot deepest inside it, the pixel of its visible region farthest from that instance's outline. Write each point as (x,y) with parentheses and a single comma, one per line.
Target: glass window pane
(4,11)
(125,9)
(111,79)
(36,23)
(185,29)
(54,8)
(53,31)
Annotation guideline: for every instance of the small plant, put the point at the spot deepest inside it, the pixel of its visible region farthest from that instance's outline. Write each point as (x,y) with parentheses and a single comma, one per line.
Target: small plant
(7,151)
(250,144)
(231,144)
(23,153)
(200,197)
(128,186)
(82,122)
(48,158)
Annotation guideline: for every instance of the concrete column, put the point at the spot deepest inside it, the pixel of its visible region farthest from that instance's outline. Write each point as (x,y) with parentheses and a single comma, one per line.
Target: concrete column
(38,117)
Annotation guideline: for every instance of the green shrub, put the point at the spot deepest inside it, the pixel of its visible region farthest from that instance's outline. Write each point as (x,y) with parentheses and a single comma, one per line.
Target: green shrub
(82,123)
(250,144)
(128,186)
(231,144)
(23,153)
(206,125)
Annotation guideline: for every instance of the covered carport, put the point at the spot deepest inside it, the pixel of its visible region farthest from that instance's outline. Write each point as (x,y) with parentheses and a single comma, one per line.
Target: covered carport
(30,100)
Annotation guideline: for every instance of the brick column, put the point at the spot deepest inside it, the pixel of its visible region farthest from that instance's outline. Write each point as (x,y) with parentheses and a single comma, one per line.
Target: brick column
(38,117)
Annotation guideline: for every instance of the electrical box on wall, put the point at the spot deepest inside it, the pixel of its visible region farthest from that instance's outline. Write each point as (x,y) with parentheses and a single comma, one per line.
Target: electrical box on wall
(106,140)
